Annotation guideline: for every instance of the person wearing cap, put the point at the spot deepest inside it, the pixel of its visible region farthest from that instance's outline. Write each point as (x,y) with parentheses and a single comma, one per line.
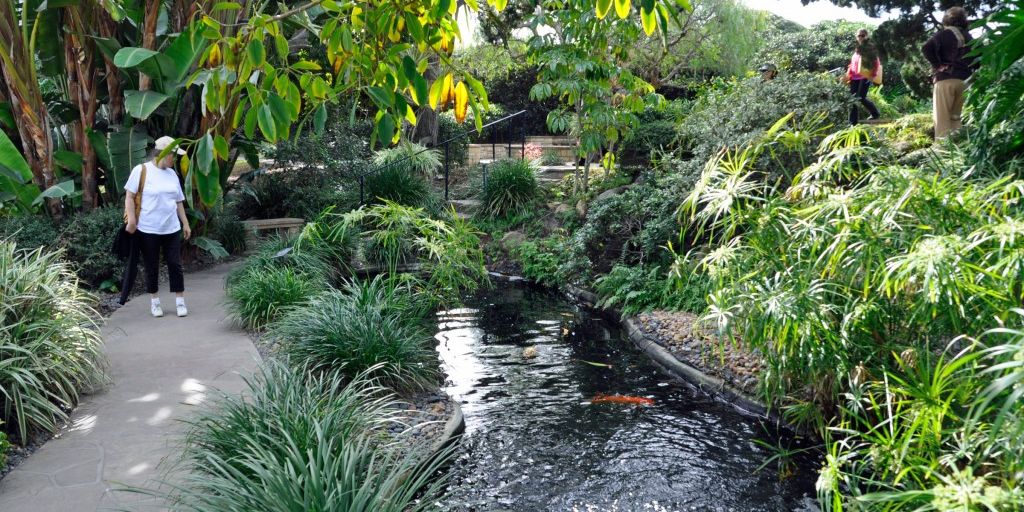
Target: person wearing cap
(768,71)
(947,52)
(161,222)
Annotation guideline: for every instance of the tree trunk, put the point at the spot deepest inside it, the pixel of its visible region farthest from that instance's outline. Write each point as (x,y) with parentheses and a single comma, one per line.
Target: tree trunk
(152,15)
(33,124)
(79,58)
(115,89)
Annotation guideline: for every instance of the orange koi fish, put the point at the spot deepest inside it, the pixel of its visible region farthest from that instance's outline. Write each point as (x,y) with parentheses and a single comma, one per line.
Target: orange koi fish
(621,399)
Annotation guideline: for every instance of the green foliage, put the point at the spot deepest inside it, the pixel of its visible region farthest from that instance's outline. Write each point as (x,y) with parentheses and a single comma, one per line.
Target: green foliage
(371,327)
(911,132)
(399,184)
(86,239)
(656,131)
(719,37)
(229,231)
(447,251)
(507,76)
(824,46)
(831,272)
(953,436)
(539,261)
(734,113)
(259,296)
(458,147)
(996,94)
(301,192)
(5,446)
(282,274)
(296,442)
(637,289)
(29,232)
(50,345)
(411,156)
(511,188)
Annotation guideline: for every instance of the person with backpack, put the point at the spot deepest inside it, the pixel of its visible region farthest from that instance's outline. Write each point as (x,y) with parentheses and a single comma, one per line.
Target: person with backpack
(947,52)
(155,216)
(865,69)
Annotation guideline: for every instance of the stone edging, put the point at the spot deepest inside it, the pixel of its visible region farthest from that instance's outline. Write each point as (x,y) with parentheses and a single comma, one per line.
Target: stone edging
(670,364)
(453,429)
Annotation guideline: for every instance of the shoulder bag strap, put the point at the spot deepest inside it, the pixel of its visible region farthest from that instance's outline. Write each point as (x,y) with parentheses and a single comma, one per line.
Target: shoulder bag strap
(960,42)
(138,196)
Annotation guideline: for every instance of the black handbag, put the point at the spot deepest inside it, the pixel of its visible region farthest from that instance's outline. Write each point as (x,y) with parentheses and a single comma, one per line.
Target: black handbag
(122,245)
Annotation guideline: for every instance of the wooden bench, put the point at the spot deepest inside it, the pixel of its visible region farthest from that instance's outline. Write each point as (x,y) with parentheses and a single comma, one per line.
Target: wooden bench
(260,228)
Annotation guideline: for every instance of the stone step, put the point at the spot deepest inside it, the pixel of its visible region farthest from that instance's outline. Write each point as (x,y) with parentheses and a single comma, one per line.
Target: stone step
(465,208)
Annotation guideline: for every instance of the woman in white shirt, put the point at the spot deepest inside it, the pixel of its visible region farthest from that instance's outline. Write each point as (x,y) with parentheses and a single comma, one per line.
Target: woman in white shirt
(161,223)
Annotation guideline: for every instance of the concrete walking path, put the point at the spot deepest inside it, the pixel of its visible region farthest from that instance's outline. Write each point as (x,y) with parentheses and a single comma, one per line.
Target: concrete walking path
(128,433)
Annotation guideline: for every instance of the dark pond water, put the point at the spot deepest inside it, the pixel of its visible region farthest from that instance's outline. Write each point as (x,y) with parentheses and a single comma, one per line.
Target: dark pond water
(534,442)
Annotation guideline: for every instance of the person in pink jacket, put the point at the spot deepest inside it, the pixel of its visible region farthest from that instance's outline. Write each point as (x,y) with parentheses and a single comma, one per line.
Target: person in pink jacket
(860,75)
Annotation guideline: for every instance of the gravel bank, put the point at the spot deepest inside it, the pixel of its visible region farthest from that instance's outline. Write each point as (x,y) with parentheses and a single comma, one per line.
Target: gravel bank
(678,333)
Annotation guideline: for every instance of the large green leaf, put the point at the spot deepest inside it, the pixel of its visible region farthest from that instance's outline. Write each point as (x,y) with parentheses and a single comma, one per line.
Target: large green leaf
(49,45)
(203,158)
(127,149)
(15,165)
(140,104)
(63,189)
(208,185)
(182,53)
(131,56)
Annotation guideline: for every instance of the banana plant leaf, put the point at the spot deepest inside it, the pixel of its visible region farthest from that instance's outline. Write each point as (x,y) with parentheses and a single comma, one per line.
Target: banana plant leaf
(15,174)
(119,152)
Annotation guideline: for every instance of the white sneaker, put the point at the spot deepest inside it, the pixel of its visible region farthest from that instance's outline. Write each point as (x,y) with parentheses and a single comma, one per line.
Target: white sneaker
(156,309)
(182,310)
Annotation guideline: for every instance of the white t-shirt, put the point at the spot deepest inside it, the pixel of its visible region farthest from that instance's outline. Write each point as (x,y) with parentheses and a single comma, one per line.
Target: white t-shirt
(160,198)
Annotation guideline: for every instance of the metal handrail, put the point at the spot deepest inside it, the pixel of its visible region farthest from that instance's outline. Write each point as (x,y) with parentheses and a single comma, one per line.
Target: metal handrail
(446,143)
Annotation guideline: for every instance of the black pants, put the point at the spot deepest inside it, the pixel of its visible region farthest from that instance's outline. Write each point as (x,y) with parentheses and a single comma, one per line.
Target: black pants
(151,246)
(859,89)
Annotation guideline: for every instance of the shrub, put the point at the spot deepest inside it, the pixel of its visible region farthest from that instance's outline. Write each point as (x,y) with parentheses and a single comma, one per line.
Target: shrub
(296,442)
(911,132)
(312,261)
(258,297)
(50,346)
(447,250)
(413,157)
(511,187)
(399,184)
(369,326)
(638,289)
(507,78)
(30,232)
(539,261)
(5,446)
(733,114)
(86,239)
(297,192)
(229,231)
(458,147)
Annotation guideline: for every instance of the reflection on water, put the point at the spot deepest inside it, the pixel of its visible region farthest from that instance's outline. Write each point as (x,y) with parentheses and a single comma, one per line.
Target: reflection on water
(534,442)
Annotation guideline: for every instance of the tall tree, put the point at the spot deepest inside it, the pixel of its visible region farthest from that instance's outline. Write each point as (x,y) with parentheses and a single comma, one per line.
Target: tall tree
(19,30)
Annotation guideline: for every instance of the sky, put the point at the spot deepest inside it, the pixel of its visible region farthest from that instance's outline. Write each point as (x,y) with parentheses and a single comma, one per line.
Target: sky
(812,13)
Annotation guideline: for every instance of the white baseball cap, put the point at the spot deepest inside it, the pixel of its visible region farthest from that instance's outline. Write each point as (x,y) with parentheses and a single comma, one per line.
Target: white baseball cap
(164,142)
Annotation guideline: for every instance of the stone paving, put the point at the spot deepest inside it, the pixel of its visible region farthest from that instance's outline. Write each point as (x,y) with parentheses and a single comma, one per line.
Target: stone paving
(128,433)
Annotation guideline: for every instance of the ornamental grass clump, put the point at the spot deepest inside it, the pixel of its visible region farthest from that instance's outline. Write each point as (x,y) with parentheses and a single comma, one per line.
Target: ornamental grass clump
(259,296)
(366,326)
(511,187)
(50,345)
(295,441)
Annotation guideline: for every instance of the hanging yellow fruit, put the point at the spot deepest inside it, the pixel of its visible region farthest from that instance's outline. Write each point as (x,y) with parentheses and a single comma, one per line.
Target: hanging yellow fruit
(213,58)
(447,91)
(461,102)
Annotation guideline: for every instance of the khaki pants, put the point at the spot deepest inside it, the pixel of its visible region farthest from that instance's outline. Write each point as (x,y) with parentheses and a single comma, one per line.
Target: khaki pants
(948,101)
